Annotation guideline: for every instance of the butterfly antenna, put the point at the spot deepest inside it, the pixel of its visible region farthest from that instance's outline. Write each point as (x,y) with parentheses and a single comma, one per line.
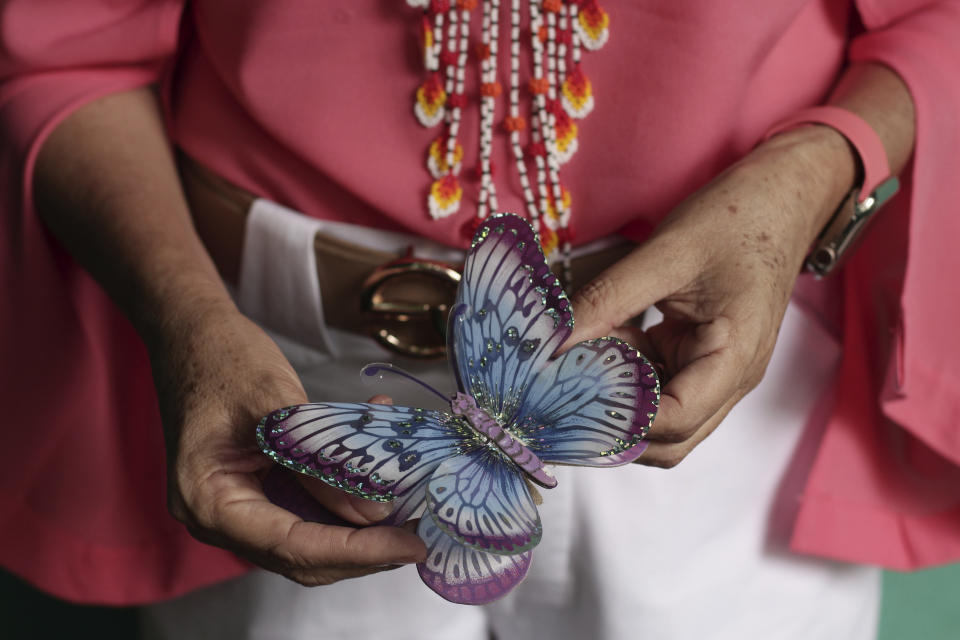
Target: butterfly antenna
(378,369)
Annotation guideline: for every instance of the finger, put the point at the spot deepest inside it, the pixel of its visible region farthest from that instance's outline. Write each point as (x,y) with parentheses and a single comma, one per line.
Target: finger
(639,339)
(624,290)
(708,377)
(320,577)
(667,455)
(349,507)
(240,517)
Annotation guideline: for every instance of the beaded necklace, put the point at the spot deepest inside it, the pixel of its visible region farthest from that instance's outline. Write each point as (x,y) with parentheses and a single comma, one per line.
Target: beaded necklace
(559,94)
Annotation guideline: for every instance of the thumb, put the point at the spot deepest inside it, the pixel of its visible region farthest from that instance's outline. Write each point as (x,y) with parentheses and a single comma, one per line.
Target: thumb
(349,507)
(622,291)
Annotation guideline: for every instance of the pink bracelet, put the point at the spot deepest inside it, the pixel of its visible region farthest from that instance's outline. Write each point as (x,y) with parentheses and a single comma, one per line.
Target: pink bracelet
(855,129)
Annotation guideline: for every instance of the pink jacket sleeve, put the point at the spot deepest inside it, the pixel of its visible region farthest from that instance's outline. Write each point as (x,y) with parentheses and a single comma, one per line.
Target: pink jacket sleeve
(82,508)
(885,486)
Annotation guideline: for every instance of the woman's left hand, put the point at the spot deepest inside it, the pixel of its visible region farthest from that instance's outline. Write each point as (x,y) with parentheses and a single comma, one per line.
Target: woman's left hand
(721,268)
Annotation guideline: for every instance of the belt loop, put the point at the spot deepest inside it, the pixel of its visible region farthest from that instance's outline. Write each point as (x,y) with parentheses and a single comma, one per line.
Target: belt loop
(278,284)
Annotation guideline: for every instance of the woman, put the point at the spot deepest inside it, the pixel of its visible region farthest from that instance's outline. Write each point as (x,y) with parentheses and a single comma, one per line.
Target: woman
(305,106)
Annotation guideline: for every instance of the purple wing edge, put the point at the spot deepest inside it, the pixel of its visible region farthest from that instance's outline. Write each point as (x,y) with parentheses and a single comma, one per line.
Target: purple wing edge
(333,475)
(647,406)
(528,243)
(490,587)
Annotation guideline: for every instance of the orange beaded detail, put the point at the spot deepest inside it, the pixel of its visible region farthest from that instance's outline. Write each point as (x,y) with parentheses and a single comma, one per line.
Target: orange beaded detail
(431,98)
(437,158)
(593,26)
(548,240)
(518,123)
(566,131)
(577,93)
(556,32)
(552,6)
(553,218)
(445,196)
(491,89)
(539,86)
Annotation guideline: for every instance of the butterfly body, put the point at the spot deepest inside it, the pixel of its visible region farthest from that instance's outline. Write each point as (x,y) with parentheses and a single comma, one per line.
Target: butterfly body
(517,408)
(464,405)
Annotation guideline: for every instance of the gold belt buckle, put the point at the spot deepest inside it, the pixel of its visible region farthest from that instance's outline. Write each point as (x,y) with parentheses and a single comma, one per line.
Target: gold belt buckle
(408,300)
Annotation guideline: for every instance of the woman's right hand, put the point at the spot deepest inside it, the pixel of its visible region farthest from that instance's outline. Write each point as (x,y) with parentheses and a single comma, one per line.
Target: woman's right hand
(217,374)
(118,208)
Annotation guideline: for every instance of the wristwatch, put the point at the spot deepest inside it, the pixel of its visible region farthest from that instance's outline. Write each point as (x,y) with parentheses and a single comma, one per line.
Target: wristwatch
(851,218)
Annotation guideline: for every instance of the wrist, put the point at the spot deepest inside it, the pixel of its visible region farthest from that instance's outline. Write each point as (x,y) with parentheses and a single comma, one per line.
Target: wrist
(182,308)
(815,167)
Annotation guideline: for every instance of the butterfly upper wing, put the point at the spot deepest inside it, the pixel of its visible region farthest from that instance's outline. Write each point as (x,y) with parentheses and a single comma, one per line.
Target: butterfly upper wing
(463,574)
(511,315)
(480,498)
(591,406)
(378,452)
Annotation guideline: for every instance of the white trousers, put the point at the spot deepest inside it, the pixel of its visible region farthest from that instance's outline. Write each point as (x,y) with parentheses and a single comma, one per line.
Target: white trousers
(698,551)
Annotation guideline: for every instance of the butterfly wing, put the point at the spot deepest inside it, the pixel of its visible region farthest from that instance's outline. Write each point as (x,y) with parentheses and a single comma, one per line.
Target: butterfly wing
(480,499)
(463,574)
(511,315)
(591,406)
(377,452)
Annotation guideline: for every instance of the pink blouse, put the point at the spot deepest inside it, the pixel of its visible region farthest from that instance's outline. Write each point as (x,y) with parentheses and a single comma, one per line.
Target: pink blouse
(310,104)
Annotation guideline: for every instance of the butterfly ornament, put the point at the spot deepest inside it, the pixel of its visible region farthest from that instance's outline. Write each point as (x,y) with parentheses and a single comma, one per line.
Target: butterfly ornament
(467,472)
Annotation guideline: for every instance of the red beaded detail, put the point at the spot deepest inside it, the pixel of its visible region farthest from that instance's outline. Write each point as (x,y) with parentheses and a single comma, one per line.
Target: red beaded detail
(559,94)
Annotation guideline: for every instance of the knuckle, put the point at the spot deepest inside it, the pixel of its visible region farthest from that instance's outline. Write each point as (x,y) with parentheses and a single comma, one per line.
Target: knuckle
(664,458)
(672,459)
(596,293)
(178,509)
(679,433)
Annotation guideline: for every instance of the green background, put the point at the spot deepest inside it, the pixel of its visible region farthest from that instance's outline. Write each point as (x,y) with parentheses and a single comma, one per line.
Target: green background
(920,606)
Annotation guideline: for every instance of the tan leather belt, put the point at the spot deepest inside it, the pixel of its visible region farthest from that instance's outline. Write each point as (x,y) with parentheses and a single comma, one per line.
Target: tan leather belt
(399,300)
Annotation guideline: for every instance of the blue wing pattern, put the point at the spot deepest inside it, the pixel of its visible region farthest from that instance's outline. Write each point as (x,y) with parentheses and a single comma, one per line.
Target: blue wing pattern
(481,500)
(591,406)
(378,452)
(464,575)
(511,315)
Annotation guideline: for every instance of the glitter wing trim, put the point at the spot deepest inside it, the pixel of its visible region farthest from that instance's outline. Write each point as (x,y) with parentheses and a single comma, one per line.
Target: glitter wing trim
(512,315)
(377,452)
(464,575)
(481,500)
(592,406)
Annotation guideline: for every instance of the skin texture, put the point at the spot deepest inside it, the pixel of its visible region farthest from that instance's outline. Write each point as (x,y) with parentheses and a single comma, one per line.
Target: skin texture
(735,250)
(106,186)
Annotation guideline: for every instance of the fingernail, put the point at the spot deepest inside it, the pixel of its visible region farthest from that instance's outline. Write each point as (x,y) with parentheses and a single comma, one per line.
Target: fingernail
(370,509)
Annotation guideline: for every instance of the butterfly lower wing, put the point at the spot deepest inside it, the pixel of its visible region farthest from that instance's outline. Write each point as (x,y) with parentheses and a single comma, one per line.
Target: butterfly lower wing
(511,314)
(377,452)
(465,575)
(481,500)
(591,406)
